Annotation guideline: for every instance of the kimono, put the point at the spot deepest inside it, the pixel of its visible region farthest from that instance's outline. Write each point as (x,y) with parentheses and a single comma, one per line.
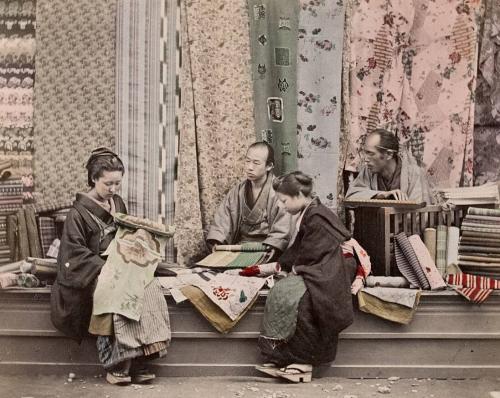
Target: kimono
(325,308)
(409,178)
(79,263)
(236,221)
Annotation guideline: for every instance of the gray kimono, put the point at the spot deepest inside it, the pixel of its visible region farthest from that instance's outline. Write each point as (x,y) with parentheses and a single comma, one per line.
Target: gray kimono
(412,181)
(235,221)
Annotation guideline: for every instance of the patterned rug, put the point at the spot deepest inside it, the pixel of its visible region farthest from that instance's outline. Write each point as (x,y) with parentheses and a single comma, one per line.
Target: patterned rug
(74,91)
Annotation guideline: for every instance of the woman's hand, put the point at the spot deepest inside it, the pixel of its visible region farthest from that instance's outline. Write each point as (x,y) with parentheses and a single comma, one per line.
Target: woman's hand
(357,285)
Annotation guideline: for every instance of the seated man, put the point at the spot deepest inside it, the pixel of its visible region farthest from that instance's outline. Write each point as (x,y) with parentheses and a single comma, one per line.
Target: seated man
(250,211)
(388,175)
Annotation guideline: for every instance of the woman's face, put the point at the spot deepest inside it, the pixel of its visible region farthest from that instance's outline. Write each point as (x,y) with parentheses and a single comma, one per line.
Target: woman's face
(108,184)
(293,204)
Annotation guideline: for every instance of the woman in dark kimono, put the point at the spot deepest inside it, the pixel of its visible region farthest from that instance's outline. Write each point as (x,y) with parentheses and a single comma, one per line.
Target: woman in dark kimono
(307,310)
(88,230)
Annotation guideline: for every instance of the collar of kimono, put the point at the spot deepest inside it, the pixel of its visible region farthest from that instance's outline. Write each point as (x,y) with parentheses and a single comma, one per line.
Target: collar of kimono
(94,208)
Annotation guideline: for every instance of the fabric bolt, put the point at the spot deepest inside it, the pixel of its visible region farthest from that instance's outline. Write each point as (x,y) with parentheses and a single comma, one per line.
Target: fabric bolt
(280,317)
(217,93)
(319,82)
(132,258)
(137,110)
(478,249)
(441,244)
(483,212)
(430,242)
(407,262)
(427,263)
(411,71)
(74,91)
(273,43)
(47,230)
(210,311)
(231,293)
(371,304)
(487,111)
(386,281)
(452,240)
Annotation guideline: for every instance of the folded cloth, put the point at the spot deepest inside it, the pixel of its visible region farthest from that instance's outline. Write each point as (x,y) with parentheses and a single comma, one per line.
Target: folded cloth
(428,266)
(233,259)
(474,288)
(404,297)
(212,313)
(386,281)
(244,247)
(352,247)
(231,293)
(8,279)
(407,262)
(261,270)
(394,312)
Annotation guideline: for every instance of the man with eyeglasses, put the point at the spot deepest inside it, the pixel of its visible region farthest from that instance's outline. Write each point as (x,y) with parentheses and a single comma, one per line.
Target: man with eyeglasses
(387,174)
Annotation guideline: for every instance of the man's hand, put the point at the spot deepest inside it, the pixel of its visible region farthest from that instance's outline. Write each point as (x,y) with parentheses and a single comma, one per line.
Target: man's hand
(394,194)
(211,243)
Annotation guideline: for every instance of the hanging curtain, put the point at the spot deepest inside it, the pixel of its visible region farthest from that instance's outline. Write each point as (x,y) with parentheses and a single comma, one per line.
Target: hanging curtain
(273,42)
(216,123)
(319,81)
(412,66)
(74,91)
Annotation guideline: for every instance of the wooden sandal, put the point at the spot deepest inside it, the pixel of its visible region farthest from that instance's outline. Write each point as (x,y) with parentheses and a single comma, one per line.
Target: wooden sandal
(296,373)
(118,378)
(268,368)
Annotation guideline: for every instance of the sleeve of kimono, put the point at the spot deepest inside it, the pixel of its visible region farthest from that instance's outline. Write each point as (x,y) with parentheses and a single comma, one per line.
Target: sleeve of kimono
(221,228)
(360,188)
(418,186)
(78,264)
(280,230)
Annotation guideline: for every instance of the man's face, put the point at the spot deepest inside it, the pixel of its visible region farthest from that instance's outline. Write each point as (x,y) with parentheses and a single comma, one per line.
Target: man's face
(375,159)
(255,163)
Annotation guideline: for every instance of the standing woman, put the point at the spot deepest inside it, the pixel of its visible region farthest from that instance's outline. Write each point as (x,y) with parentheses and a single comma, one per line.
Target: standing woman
(307,310)
(88,230)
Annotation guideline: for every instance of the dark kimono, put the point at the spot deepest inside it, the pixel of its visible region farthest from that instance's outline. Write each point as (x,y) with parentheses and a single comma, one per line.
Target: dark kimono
(325,308)
(88,230)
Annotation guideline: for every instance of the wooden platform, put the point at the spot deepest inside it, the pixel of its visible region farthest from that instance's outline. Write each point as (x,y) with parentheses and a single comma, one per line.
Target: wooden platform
(447,338)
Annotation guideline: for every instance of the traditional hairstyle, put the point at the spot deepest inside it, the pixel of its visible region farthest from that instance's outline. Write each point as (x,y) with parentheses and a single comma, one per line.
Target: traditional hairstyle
(389,143)
(292,184)
(270,151)
(102,159)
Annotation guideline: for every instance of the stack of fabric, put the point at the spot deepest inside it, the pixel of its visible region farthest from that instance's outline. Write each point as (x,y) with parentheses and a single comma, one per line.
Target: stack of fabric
(479,249)
(235,256)
(486,194)
(11,200)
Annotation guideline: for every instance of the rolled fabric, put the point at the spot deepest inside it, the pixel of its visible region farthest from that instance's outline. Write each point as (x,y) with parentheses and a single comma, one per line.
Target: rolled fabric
(430,242)
(441,243)
(426,263)
(407,262)
(387,281)
(452,245)
(8,279)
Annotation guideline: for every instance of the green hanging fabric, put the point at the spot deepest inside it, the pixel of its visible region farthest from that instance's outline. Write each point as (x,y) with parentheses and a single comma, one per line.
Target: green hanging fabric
(273,43)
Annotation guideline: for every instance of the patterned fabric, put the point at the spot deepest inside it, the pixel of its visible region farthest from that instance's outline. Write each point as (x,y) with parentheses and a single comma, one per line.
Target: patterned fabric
(74,92)
(273,42)
(132,258)
(17,74)
(413,72)
(169,110)
(137,103)
(487,111)
(217,94)
(426,262)
(47,231)
(319,80)
(474,288)
(486,154)
(407,262)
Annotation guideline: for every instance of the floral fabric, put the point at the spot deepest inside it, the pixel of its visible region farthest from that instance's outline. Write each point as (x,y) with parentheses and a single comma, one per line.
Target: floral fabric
(412,71)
